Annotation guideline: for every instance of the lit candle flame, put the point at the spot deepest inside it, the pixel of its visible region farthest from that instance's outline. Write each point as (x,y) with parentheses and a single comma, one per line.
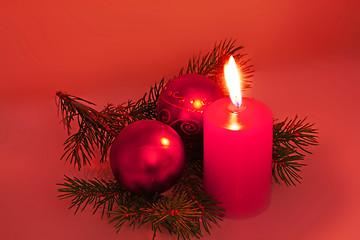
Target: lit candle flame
(232,77)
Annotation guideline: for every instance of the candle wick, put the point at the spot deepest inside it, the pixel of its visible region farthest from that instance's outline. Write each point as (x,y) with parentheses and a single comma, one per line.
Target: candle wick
(237,109)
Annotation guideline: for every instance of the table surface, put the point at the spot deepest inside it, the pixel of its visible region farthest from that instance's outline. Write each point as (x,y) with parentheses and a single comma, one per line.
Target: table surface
(307,62)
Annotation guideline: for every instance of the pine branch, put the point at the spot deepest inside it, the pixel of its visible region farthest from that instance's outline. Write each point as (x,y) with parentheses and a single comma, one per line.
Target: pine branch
(145,107)
(211,64)
(79,147)
(287,166)
(176,214)
(211,213)
(295,134)
(98,129)
(290,139)
(180,213)
(99,193)
(191,184)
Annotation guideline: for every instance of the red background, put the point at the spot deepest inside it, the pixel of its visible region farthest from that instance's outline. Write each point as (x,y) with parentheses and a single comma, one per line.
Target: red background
(307,59)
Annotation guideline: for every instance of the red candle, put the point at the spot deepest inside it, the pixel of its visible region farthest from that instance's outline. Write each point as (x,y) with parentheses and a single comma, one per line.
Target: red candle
(238,150)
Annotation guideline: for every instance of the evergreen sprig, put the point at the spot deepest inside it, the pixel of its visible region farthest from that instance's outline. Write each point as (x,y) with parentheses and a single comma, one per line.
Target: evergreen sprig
(211,64)
(99,128)
(177,214)
(290,139)
(295,134)
(102,194)
(186,208)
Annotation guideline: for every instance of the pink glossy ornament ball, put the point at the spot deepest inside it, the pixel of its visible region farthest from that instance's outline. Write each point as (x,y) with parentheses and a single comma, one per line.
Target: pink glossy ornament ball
(182,102)
(147,157)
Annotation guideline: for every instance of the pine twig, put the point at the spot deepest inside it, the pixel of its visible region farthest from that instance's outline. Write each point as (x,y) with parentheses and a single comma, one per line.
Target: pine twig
(295,134)
(98,129)
(174,213)
(290,139)
(191,183)
(211,64)
(100,193)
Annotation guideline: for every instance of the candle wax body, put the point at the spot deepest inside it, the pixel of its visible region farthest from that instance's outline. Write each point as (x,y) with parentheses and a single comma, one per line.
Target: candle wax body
(238,156)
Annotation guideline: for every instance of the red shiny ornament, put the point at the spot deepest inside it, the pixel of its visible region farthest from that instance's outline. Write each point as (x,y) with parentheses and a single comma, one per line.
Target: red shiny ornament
(147,157)
(183,100)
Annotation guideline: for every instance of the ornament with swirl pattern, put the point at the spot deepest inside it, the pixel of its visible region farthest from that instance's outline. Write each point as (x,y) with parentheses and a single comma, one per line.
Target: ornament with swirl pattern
(182,102)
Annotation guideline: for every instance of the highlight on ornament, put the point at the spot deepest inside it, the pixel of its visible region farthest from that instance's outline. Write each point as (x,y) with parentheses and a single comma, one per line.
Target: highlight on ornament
(188,153)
